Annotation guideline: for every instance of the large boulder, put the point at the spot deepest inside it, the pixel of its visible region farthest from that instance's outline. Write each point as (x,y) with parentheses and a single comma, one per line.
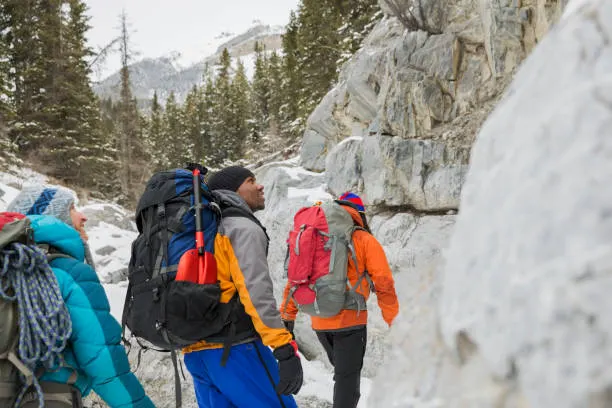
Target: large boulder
(425,175)
(519,318)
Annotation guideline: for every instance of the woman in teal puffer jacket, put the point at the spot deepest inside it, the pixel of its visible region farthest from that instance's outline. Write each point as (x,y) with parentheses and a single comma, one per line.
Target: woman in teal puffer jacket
(94,357)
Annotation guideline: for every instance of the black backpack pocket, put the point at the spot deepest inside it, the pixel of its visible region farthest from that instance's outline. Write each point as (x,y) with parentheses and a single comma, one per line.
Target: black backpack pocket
(175,314)
(194,311)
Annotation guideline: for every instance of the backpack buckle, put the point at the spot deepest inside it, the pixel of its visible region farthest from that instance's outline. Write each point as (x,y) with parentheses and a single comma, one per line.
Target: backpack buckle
(215,208)
(161,211)
(29,235)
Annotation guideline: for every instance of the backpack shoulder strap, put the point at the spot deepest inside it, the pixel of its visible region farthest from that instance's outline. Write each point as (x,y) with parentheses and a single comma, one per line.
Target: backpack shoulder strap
(364,275)
(9,337)
(54,256)
(239,212)
(27,374)
(233,211)
(53,253)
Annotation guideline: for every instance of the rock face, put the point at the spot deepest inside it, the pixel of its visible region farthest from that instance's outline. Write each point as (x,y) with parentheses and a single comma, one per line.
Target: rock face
(425,175)
(519,318)
(436,83)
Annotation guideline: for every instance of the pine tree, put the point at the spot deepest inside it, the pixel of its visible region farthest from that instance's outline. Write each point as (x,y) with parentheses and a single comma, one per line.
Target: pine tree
(192,114)
(54,146)
(207,103)
(6,94)
(51,143)
(318,42)
(261,92)
(358,19)
(7,148)
(79,109)
(56,120)
(131,148)
(241,123)
(28,73)
(276,85)
(109,115)
(174,133)
(8,151)
(155,136)
(292,87)
(221,143)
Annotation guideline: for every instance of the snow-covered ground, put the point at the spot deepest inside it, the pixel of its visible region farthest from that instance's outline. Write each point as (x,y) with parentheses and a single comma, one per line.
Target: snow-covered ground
(110,245)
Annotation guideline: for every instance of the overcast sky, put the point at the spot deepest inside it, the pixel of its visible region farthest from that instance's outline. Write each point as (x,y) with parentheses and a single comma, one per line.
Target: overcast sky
(160,27)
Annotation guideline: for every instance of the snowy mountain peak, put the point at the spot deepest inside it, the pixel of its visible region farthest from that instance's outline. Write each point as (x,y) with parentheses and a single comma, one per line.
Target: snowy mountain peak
(174,73)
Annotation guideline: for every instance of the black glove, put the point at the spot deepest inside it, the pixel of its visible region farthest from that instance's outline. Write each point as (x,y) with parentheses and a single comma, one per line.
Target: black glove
(290,369)
(289,325)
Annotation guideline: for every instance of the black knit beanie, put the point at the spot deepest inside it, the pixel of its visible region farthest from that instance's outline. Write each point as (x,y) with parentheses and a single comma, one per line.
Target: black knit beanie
(230,178)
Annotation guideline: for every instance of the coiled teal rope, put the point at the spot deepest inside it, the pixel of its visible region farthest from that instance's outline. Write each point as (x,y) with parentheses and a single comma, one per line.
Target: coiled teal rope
(44,321)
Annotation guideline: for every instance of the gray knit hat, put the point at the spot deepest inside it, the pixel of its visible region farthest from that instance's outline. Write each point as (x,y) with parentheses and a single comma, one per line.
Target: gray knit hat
(44,200)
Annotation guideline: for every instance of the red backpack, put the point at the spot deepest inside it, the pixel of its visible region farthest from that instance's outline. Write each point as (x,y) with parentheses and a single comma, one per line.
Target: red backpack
(317,259)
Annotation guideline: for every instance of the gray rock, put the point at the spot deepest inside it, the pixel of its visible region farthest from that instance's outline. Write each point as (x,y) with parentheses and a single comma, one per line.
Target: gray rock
(396,172)
(343,166)
(519,316)
(313,151)
(105,250)
(311,401)
(97,212)
(116,275)
(424,174)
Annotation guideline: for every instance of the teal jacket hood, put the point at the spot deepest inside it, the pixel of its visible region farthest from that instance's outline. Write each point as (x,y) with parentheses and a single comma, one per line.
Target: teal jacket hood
(52,231)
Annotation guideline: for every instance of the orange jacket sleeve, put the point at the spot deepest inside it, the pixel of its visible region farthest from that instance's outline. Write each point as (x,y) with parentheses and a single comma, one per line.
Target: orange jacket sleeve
(378,268)
(288,309)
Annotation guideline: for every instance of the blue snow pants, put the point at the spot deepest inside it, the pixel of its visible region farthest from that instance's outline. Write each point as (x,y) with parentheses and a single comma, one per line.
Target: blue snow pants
(244,382)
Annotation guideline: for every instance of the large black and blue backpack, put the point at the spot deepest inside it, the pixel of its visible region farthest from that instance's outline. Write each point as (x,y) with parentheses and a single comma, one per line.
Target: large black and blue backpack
(35,324)
(166,312)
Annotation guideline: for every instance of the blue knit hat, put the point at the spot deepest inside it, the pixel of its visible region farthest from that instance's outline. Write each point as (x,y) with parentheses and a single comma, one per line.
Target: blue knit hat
(353,198)
(44,200)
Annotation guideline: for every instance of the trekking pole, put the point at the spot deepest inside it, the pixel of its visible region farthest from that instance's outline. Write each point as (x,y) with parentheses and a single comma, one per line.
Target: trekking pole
(197,171)
(197,206)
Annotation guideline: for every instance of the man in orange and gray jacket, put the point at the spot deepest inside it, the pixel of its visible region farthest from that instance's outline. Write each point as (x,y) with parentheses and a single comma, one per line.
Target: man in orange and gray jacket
(344,336)
(251,376)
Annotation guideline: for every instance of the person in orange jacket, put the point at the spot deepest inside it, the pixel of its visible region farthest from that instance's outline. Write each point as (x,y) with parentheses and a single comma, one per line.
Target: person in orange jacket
(344,336)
